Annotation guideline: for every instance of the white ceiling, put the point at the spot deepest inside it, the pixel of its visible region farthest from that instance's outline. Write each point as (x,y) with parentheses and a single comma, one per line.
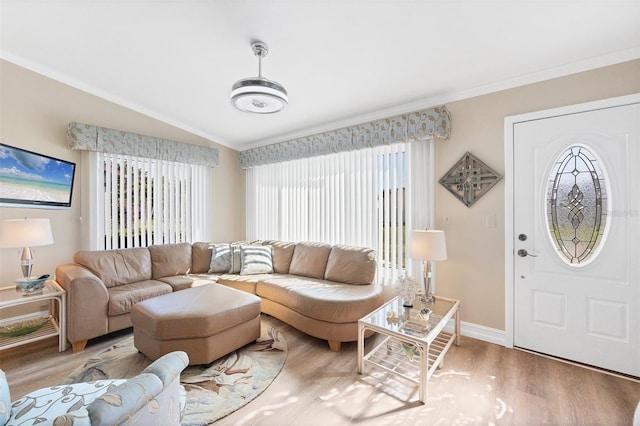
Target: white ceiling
(342,62)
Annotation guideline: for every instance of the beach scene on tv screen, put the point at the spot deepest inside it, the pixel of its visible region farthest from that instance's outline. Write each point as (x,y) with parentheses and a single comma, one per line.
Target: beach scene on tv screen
(32,177)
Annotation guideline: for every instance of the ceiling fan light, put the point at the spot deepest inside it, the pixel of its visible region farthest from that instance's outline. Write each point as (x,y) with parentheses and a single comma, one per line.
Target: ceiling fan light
(258,95)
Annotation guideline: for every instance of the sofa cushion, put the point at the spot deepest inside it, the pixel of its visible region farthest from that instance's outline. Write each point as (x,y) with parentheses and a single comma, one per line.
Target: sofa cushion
(180,282)
(255,260)
(320,299)
(168,260)
(221,258)
(201,257)
(310,260)
(246,283)
(351,265)
(123,297)
(282,253)
(117,267)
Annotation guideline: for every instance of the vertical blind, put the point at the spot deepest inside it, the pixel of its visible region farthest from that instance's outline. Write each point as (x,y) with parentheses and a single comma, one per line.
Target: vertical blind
(143,201)
(359,198)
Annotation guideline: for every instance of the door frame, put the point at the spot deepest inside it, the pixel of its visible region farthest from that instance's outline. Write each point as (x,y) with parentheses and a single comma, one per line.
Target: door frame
(509,202)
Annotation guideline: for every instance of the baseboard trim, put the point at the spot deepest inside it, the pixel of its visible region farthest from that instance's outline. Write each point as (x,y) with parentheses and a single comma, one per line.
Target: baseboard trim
(480,332)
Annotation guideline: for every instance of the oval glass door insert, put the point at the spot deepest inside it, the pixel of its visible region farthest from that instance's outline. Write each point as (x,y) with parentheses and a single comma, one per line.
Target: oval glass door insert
(577,205)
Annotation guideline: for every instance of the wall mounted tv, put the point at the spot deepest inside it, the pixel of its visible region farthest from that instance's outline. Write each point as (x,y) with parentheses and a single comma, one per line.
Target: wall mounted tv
(32,180)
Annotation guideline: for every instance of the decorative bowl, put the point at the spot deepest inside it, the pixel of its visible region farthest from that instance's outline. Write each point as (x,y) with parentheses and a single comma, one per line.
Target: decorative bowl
(24,327)
(31,285)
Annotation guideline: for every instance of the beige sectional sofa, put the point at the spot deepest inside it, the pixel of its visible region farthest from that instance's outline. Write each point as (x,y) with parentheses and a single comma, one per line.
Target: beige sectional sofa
(317,288)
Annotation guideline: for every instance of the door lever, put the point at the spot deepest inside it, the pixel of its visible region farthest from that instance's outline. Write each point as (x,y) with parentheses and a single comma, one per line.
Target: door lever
(524,253)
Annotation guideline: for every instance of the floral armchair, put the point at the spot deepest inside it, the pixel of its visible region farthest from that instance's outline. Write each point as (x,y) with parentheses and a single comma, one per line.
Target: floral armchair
(155,396)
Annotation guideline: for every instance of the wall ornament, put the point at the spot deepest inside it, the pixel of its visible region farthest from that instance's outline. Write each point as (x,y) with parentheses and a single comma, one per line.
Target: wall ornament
(469,179)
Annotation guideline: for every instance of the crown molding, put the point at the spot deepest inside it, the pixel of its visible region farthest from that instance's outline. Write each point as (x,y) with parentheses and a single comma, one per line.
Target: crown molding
(568,69)
(543,75)
(65,79)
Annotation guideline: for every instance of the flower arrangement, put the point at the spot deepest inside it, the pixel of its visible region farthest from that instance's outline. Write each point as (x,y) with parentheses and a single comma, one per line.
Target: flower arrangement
(406,287)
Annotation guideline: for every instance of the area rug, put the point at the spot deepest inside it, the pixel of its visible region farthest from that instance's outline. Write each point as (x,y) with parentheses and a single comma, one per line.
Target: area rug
(214,390)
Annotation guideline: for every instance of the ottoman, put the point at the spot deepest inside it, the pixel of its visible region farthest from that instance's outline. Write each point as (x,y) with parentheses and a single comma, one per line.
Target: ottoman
(206,322)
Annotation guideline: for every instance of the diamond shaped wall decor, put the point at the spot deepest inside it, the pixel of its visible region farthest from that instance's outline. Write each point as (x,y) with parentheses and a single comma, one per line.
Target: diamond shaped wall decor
(469,179)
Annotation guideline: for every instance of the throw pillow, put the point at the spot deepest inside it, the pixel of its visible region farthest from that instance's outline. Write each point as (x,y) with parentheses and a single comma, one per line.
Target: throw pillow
(5,399)
(256,260)
(220,259)
(236,262)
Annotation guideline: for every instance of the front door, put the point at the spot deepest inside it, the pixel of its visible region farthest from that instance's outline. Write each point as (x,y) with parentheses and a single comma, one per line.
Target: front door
(576,234)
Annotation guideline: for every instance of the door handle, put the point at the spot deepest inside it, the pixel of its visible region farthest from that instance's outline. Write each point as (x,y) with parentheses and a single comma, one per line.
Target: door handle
(524,253)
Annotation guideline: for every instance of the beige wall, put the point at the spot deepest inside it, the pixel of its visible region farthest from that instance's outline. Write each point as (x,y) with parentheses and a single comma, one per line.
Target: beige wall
(34,113)
(474,271)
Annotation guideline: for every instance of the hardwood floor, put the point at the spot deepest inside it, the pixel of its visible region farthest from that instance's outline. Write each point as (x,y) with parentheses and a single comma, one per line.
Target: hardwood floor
(480,383)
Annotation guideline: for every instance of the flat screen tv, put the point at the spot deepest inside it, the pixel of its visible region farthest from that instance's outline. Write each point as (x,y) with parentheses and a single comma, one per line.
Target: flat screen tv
(32,180)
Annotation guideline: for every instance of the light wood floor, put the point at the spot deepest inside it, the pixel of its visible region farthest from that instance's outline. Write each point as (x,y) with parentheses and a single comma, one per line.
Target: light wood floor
(480,383)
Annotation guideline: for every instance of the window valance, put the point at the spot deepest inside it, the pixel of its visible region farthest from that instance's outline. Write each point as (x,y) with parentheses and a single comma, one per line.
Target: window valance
(88,137)
(433,123)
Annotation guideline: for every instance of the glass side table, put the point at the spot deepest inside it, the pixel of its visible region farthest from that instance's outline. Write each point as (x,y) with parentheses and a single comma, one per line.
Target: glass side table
(56,296)
(412,347)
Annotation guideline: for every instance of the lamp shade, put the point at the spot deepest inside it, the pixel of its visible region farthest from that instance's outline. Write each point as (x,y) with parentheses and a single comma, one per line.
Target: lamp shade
(427,245)
(25,233)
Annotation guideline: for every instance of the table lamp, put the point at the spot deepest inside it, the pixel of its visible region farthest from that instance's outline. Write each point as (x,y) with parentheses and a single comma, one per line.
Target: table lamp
(428,246)
(26,233)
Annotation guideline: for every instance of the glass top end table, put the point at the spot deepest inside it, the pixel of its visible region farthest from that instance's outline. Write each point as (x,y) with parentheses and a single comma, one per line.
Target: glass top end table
(414,339)
(54,294)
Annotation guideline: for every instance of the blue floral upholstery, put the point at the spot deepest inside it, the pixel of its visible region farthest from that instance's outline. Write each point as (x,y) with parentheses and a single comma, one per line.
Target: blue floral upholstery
(155,396)
(5,399)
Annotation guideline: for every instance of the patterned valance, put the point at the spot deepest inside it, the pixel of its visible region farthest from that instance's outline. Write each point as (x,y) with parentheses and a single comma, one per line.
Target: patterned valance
(433,123)
(93,138)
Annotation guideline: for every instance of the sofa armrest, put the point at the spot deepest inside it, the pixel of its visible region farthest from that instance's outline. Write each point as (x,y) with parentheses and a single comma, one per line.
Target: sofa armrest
(168,367)
(87,302)
(155,396)
(124,401)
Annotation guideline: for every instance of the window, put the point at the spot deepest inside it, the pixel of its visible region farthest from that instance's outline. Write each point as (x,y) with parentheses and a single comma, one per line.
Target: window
(391,210)
(137,202)
(360,198)
(577,205)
